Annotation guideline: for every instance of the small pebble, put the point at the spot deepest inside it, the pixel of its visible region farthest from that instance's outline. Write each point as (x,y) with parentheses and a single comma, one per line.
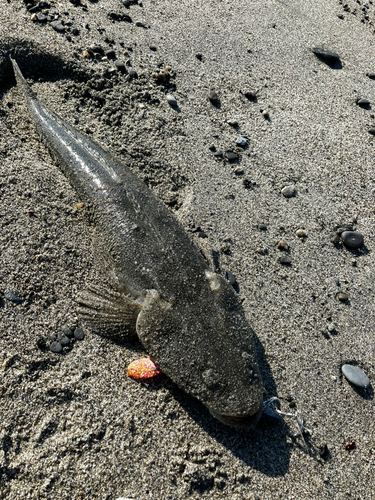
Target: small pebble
(238,171)
(371,130)
(251,96)
(67,332)
(97,49)
(262,227)
(65,341)
(212,148)
(241,141)
(132,73)
(301,233)
(285,260)
(120,65)
(75,31)
(356,376)
(232,123)
(213,97)
(56,347)
(199,57)
(326,55)
(153,48)
(219,154)
(363,103)
(79,334)
(342,296)
(282,246)
(288,191)
(41,18)
(171,100)
(371,76)
(14,296)
(231,155)
(111,54)
(57,26)
(352,239)
(230,278)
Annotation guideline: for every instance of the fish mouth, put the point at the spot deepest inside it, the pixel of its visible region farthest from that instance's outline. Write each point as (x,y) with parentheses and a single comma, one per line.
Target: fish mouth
(239,421)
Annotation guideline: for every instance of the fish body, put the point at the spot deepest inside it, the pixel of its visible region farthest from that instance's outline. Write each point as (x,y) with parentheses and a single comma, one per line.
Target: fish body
(188,318)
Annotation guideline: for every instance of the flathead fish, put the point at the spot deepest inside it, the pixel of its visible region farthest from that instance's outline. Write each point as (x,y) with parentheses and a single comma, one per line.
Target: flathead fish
(188,318)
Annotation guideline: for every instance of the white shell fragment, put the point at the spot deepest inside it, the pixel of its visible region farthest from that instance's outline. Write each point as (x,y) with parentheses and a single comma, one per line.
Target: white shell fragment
(356,376)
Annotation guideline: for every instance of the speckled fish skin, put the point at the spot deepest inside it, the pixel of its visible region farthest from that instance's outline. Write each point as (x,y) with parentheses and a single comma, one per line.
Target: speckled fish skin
(188,318)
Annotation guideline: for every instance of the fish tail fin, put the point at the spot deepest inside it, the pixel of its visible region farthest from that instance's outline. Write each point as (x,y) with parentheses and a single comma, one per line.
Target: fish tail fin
(21,80)
(108,313)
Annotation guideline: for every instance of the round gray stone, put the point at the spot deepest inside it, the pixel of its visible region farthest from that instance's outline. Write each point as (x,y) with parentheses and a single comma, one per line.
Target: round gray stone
(79,334)
(56,347)
(356,376)
(352,239)
(288,191)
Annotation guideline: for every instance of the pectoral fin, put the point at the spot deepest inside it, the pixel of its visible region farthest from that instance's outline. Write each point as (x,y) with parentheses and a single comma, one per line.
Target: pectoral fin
(108,313)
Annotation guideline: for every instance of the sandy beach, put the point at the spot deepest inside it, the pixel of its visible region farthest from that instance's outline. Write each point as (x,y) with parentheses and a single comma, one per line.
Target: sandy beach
(74,425)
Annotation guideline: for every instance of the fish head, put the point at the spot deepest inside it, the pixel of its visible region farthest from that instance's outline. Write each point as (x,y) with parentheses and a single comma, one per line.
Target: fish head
(204,343)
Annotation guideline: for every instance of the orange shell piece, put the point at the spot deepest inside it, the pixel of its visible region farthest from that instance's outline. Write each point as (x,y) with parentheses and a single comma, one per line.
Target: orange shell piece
(142,369)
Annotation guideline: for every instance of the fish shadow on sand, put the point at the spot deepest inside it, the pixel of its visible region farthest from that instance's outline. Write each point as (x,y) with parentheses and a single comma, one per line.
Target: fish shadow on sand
(264,448)
(35,63)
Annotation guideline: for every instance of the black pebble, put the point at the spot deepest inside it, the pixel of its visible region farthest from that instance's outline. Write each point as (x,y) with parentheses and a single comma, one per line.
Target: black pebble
(328,57)
(212,148)
(231,155)
(250,95)
(79,334)
(153,48)
(97,49)
(75,31)
(13,296)
(120,66)
(262,227)
(218,154)
(67,332)
(132,73)
(352,239)
(363,103)
(57,26)
(199,57)
(213,97)
(285,260)
(230,278)
(371,130)
(111,54)
(65,341)
(56,347)
(371,76)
